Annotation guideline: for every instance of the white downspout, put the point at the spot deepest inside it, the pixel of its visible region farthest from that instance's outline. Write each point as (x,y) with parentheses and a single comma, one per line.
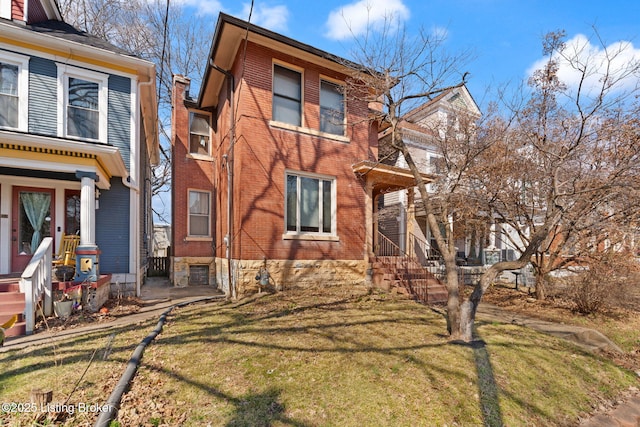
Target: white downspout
(131,182)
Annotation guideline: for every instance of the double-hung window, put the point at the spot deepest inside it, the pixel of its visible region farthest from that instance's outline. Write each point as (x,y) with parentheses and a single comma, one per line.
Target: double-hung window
(199,213)
(331,108)
(83,98)
(287,95)
(310,204)
(199,134)
(13,91)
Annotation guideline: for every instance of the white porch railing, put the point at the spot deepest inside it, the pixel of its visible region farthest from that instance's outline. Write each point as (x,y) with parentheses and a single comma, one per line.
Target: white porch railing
(36,281)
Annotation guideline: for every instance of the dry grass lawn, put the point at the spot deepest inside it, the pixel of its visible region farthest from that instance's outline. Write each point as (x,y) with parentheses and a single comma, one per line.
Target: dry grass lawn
(330,357)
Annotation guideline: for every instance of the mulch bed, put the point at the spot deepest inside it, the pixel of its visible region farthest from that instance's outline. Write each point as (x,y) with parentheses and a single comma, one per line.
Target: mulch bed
(112,309)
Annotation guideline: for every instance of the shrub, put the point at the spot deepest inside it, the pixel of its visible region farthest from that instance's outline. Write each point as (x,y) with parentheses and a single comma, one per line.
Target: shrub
(602,284)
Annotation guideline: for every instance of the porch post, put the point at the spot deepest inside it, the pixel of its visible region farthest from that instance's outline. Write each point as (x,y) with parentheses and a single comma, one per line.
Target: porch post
(87,252)
(411,220)
(368,222)
(87,208)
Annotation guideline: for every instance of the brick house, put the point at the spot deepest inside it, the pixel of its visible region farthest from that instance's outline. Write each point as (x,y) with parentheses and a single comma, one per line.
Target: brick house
(290,186)
(78,136)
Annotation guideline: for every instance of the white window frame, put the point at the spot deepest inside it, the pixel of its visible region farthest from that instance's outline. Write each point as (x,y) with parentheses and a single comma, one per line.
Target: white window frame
(302,77)
(64,73)
(22,62)
(5,9)
(198,236)
(198,155)
(341,85)
(311,235)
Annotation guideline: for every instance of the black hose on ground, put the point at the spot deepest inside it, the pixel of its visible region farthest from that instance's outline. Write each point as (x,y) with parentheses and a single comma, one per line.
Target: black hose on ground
(113,403)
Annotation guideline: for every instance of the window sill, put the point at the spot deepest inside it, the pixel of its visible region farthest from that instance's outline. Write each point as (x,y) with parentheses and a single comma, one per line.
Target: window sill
(317,237)
(198,239)
(204,157)
(309,131)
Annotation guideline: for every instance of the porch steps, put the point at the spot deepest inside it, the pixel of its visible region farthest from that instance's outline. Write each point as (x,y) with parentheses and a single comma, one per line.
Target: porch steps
(12,302)
(405,275)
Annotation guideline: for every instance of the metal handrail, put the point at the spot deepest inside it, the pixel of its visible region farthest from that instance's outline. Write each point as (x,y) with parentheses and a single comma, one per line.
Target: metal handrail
(422,250)
(36,282)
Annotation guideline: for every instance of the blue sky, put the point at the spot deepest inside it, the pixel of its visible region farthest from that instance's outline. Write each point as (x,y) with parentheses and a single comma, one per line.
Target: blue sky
(504,35)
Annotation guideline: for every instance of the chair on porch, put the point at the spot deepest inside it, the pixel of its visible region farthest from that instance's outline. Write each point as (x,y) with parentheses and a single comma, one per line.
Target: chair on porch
(67,252)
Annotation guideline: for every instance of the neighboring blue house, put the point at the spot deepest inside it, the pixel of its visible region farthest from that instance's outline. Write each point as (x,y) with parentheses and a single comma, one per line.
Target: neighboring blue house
(78,136)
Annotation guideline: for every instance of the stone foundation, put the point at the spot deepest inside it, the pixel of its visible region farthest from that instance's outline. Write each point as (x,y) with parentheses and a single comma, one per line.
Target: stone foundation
(180,267)
(288,274)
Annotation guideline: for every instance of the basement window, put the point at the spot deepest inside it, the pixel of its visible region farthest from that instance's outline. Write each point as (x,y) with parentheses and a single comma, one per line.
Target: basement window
(198,275)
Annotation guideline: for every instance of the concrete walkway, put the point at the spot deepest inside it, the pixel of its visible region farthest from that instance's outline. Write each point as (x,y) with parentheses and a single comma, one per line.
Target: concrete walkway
(589,339)
(627,414)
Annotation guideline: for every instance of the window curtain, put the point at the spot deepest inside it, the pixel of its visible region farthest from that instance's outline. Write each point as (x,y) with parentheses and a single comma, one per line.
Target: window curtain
(36,207)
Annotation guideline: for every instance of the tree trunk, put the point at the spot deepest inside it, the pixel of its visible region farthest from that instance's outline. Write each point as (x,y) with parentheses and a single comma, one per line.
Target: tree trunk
(469,307)
(541,286)
(453,300)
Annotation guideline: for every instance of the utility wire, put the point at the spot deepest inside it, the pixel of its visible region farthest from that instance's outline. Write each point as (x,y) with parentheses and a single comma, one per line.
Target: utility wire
(164,47)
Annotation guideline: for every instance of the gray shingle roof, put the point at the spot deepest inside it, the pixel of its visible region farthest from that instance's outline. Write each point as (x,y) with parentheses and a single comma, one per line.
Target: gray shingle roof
(65,31)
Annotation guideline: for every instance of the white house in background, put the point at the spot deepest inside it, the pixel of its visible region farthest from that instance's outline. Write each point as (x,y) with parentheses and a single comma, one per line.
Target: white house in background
(421,127)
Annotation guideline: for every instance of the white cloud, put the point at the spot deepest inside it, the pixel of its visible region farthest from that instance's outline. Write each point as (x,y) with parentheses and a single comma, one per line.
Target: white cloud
(274,18)
(356,18)
(440,33)
(621,56)
(202,7)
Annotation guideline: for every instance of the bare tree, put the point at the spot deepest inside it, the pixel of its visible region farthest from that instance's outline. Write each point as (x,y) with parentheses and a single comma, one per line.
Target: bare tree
(559,162)
(404,71)
(562,175)
(156,31)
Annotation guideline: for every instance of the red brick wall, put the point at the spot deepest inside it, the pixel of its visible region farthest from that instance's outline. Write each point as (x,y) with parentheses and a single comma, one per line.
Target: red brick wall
(263,153)
(17,9)
(188,174)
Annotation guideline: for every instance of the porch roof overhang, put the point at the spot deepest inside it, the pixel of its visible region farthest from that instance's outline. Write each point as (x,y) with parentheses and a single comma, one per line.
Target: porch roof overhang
(36,152)
(383,178)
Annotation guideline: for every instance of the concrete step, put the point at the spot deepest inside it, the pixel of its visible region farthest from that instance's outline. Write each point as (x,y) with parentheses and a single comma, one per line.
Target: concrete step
(17,330)
(10,287)
(11,306)
(437,297)
(6,297)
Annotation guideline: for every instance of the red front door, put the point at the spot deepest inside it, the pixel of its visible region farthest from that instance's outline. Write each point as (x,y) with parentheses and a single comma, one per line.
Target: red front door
(32,221)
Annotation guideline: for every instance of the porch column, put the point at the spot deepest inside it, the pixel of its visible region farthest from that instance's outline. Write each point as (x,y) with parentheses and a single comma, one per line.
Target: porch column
(368,222)
(87,208)
(87,253)
(411,221)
